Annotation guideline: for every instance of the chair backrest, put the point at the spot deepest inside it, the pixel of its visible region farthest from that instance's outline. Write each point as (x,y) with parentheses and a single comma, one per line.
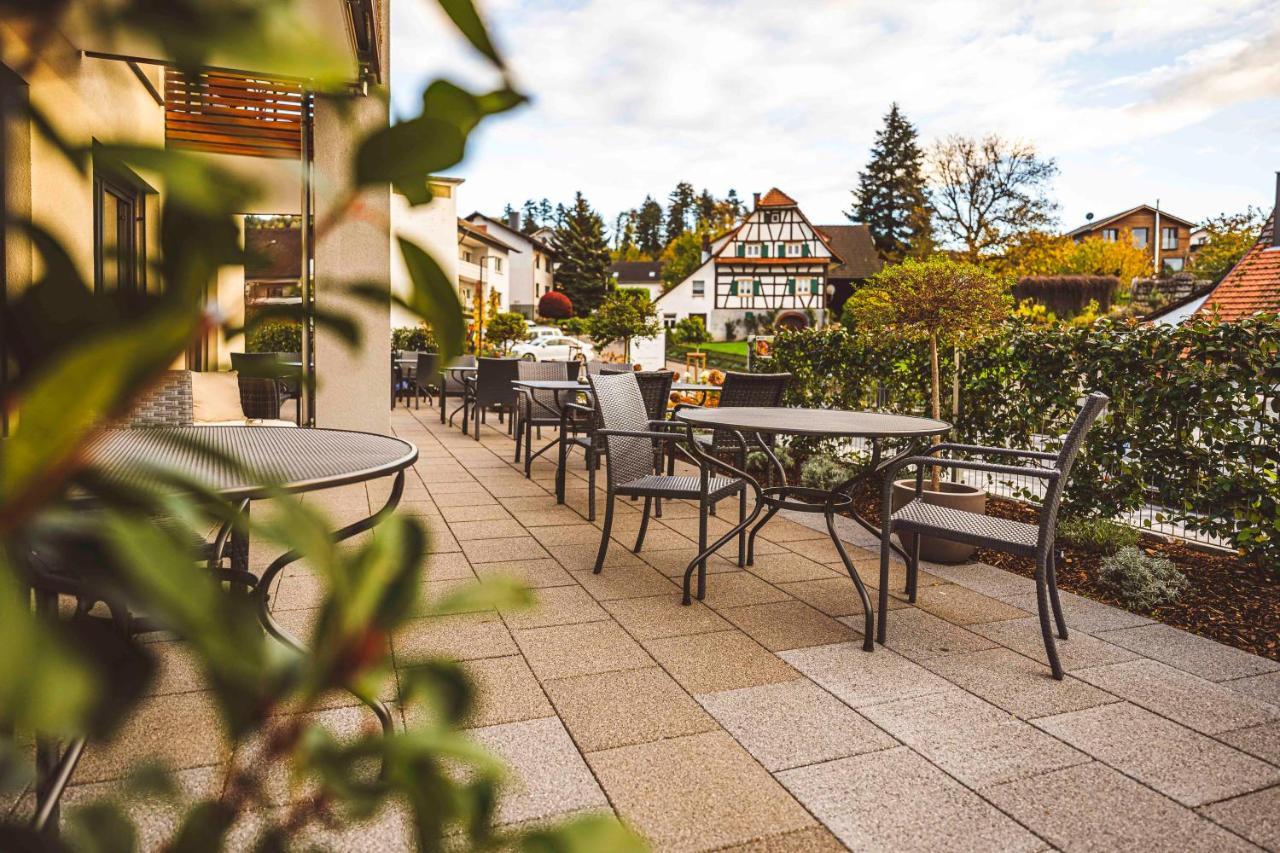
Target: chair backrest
(493,381)
(259,364)
(453,382)
(620,405)
(655,388)
(604,368)
(574,366)
(167,403)
(1072,442)
(748,389)
(427,362)
(545,402)
(291,373)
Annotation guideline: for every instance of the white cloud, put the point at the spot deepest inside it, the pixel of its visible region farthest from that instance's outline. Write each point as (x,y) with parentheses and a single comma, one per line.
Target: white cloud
(631,97)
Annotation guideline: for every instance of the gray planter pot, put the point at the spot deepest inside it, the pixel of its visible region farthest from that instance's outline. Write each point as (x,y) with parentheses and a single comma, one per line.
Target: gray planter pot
(953,495)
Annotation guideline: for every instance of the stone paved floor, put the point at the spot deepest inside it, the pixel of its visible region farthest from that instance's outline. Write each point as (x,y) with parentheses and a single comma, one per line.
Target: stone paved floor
(754,721)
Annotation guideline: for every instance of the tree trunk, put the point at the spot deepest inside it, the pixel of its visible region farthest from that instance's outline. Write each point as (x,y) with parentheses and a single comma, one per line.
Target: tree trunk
(935,401)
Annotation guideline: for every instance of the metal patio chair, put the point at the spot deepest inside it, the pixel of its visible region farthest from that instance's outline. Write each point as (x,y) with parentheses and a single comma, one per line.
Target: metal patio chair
(632,438)
(536,409)
(424,377)
(490,388)
(918,518)
(581,423)
(451,383)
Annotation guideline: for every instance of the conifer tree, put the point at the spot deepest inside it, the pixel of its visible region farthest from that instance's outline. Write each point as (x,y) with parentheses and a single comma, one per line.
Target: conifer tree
(649,228)
(706,209)
(891,195)
(583,273)
(683,205)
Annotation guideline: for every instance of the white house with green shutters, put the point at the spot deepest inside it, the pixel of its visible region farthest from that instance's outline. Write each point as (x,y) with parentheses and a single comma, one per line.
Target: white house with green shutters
(774,262)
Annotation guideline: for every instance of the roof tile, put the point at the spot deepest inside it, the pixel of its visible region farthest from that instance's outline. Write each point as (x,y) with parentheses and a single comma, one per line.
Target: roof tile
(1253,284)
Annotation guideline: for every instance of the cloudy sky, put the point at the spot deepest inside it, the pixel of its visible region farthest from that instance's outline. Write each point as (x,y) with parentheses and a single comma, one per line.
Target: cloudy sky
(1177,100)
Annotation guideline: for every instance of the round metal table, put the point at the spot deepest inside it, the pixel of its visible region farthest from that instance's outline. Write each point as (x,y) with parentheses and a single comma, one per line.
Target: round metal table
(761,423)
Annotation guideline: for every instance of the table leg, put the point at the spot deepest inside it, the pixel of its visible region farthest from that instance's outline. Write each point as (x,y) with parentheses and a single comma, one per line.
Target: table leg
(699,562)
(773,508)
(263,593)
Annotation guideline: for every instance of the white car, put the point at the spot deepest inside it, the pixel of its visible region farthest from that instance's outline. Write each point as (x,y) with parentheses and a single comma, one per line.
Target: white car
(538,332)
(554,348)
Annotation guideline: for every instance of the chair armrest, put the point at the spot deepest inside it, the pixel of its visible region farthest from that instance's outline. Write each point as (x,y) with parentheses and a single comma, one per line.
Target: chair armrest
(980,450)
(680,406)
(968,465)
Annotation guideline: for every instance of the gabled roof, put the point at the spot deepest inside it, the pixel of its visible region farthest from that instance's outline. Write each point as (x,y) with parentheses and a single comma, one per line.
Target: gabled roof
(1253,284)
(637,272)
(542,245)
(855,246)
(1106,220)
(776,198)
(481,233)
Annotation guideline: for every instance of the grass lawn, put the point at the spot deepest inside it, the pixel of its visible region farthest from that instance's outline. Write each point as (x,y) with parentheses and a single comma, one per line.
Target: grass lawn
(728,347)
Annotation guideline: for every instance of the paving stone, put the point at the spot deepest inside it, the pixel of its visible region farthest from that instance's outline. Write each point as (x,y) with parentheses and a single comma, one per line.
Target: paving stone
(636,581)
(738,589)
(1262,741)
(835,596)
(506,692)
(155,819)
(788,625)
(556,605)
(789,532)
(919,636)
(793,723)
(483,512)
(1082,650)
(709,663)
(658,616)
(548,512)
(447,565)
(632,706)
(1265,687)
(1016,683)
(861,678)
(985,579)
(815,840)
(567,534)
(532,573)
(1203,657)
(1092,807)
(547,775)
(488,529)
(1082,613)
(1193,701)
(177,669)
(673,563)
(582,558)
(790,567)
(159,729)
(960,605)
(1255,816)
(1189,767)
(970,739)
(446,495)
(710,793)
(463,637)
(895,800)
(563,651)
(498,550)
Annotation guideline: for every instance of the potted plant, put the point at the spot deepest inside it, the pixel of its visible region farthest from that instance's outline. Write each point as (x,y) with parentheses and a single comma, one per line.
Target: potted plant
(940,302)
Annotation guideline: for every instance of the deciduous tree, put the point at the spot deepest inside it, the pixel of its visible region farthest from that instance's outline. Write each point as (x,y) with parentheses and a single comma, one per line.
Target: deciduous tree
(1229,236)
(623,315)
(682,256)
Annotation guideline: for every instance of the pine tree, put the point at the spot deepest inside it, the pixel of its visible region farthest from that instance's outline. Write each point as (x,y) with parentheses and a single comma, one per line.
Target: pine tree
(890,197)
(583,273)
(734,204)
(649,228)
(706,208)
(683,201)
(529,216)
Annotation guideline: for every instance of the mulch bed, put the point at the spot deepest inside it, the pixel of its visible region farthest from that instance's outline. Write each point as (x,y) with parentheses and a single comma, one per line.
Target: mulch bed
(1229,599)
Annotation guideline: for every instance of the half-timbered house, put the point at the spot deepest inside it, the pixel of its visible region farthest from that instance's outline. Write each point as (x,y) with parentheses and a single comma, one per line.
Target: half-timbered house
(773,264)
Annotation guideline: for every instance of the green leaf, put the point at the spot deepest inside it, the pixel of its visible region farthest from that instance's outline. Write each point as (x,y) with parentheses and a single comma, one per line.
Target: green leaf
(434,299)
(504,593)
(584,835)
(406,154)
(465,17)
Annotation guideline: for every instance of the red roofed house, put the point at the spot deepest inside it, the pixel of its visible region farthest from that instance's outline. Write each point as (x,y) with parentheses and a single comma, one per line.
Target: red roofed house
(1253,285)
(773,262)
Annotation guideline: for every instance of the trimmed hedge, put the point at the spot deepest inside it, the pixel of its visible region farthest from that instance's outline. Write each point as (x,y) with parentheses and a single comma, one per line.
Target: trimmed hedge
(1194,423)
(1068,295)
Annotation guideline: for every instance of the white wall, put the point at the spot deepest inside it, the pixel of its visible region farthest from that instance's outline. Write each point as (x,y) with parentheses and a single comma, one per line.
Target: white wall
(434,226)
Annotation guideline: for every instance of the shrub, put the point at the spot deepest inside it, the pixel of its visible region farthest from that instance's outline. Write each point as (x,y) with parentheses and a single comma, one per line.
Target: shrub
(1097,535)
(575,327)
(623,315)
(691,331)
(418,338)
(505,328)
(1068,295)
(554,305)
(1140,580)
(758,463)
(275,336)
(824,472)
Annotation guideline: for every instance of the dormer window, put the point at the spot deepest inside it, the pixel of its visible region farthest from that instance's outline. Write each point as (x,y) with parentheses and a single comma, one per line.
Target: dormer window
(753,250)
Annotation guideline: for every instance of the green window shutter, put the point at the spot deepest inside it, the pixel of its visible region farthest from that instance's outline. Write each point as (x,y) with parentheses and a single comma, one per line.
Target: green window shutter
(804,250)
(742,250)
(764,250)
(758,288)
(782,250)
(791,287)
(733,288)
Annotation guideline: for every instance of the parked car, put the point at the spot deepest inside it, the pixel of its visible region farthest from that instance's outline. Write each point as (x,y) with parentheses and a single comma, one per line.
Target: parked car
(554,348)
(535,331)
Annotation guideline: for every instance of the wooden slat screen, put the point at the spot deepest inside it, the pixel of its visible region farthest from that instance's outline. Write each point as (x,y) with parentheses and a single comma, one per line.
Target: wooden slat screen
(233,114)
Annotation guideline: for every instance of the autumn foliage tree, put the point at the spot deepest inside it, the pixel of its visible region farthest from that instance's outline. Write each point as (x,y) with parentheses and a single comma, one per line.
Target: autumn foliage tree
(1038,253)
(554,305)
(1229,236)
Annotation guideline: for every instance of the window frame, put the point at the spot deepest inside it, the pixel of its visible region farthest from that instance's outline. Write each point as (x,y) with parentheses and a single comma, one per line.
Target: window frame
(698,288)
(1165,244)
(130,191)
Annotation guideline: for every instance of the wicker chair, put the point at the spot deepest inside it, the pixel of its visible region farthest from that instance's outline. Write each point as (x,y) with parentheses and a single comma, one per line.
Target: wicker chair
(450,383)
(169,401)
(918,518)
(604,368)
(491,388)
(579,425)
(536,409)
(631,437)
(425,374)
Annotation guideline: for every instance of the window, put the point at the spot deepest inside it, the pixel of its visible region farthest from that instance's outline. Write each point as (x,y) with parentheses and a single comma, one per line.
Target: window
(1168,238)
(120,235)
(497,264)
(1110,234)
(773,216)
(753,250)
(668,321)
(1172,264)
(537,261)
(466,256)
(699,287)
(1140,237)
(793,250)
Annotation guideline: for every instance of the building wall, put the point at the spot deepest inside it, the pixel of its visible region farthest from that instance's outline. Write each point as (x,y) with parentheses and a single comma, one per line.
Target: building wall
(517,267)
(434,226)
(1146,219)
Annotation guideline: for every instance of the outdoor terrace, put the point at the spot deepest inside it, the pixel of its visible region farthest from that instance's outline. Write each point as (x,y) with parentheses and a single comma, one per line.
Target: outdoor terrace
(754,721)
